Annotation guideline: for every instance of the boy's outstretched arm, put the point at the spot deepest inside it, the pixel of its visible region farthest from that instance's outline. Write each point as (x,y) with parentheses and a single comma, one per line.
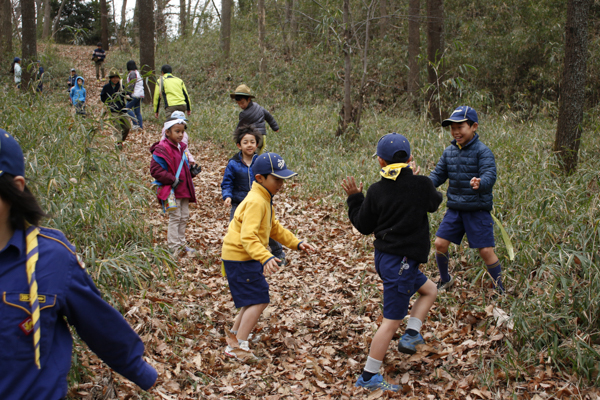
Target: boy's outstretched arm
(487,171)
(306,247)
(361,212)
(440,174)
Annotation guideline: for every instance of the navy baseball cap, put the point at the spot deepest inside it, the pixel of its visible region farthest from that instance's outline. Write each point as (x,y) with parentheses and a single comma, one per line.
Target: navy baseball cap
(390,144)
(272,163)
(11,155)
(461,114)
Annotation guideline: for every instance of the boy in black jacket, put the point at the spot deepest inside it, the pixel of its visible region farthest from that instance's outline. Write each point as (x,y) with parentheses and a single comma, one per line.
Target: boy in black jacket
(395,209)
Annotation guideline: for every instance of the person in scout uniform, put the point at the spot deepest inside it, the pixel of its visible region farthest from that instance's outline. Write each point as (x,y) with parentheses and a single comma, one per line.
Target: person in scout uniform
(44,288)
(253,114)
(171,90)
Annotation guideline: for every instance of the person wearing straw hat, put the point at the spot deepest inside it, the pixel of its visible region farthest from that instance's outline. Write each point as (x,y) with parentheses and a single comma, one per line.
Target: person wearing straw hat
(253,114)
(114,96)
(45,289)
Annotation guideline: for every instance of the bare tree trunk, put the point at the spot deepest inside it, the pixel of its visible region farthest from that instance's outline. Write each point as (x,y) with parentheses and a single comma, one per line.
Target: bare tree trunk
(182,17)
(225,27)
(383,18)
(261,35)
(29,42)
(244,7)
(5,28)
(47,17)
(363,79)
(39,17)
(161,23)
(104,23)
(57,18)
(572,96)
(414,44)
(435,45)
(146,28)
(347,107)
(136,23)
(200,16)
(114,16)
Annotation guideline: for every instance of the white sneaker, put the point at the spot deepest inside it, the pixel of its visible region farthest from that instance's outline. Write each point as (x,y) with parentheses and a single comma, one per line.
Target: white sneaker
(241,353)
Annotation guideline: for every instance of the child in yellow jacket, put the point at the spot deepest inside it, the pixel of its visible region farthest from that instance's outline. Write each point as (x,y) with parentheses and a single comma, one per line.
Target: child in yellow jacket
(245,256)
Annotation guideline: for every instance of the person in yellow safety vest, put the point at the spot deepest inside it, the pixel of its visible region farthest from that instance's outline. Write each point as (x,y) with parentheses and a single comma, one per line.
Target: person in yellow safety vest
(171,90)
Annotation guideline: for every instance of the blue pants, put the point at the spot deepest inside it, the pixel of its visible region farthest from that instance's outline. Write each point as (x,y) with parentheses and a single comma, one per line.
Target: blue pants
(135,111)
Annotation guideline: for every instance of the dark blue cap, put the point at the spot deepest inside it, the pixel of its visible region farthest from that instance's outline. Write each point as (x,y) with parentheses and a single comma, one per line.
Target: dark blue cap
(392,143)
(272,163)
(11,155)
(462,114)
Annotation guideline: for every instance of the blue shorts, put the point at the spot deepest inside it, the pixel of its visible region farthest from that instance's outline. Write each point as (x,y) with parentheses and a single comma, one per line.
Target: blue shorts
(247,283)
(397,289)
(478,225)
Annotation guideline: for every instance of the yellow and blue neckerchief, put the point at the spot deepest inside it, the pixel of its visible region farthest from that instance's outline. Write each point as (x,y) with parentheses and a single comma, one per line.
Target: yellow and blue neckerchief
(31,241)
(392,171)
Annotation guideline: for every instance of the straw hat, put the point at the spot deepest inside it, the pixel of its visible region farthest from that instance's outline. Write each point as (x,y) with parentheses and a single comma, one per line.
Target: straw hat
(242,90)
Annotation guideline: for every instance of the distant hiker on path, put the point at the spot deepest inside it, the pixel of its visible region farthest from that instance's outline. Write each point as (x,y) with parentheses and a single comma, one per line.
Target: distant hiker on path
(114,96)
(72,79)
(47,293)
(98,58)
(253,114)
(135,85)
(16,69)
(39,77)
(171,90)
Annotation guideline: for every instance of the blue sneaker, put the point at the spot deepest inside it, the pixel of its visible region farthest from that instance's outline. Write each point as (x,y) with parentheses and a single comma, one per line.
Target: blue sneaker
(407,344)
(376,382)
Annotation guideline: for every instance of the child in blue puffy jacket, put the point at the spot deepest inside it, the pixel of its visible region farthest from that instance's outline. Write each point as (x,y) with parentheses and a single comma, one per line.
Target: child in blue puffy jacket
(77,95)
(238,176)
(470,168)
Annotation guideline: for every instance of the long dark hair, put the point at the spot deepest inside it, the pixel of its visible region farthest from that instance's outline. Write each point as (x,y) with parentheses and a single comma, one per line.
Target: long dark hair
(23,204)
(131,65)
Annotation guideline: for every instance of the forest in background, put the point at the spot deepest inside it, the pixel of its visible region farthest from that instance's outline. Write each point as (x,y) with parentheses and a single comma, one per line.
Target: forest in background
(505,59)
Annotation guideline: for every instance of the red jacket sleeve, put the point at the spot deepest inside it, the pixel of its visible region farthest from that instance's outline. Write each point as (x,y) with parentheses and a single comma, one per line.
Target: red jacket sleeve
(161,174)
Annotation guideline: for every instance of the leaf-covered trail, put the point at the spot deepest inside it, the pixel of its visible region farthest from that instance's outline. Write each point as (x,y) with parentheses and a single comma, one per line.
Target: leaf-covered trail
(324,311)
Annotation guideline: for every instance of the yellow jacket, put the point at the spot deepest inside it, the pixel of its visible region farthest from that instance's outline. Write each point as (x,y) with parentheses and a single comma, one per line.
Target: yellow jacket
(252,225)
(174,91)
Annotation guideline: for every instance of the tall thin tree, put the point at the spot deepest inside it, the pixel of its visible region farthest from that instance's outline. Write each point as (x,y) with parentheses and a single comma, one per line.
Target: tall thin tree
(104,24)
(226,27)
(261,35)
(346,116)
(383,18)
(572,96)
(414,44)
(47,20)
(182,17)
(435,47)
(146,21)
(5,28)
(29,42)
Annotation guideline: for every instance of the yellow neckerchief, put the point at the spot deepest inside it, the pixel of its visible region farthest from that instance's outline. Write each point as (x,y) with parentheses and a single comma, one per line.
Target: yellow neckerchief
(392,171)
(31,241)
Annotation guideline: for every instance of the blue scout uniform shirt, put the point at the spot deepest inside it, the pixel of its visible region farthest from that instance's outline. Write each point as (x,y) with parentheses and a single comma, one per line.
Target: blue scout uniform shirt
(66,294)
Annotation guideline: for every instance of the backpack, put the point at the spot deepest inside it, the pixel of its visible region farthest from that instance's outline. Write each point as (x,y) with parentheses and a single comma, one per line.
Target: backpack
(12,68)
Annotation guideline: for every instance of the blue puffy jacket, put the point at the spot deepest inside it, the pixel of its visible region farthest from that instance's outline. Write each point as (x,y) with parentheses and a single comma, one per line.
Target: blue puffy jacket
(237,179)
(459,165)
(78,92)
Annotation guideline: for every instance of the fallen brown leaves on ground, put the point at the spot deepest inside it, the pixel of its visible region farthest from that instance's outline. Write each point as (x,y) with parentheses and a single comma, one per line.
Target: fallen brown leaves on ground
(324,311)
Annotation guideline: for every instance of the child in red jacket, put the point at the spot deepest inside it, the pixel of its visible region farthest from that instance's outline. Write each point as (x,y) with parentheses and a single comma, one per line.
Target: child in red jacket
(167,156)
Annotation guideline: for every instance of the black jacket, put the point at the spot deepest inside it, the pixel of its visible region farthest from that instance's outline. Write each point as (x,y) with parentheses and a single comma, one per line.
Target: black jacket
(114,97)
(256,115)
(396,211)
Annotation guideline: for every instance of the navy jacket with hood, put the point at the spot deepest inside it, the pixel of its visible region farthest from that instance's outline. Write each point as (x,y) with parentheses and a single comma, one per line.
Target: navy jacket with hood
(237,179)
(459,165)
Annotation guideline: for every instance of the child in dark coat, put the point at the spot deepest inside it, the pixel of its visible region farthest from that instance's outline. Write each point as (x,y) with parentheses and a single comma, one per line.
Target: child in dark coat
(253,114)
